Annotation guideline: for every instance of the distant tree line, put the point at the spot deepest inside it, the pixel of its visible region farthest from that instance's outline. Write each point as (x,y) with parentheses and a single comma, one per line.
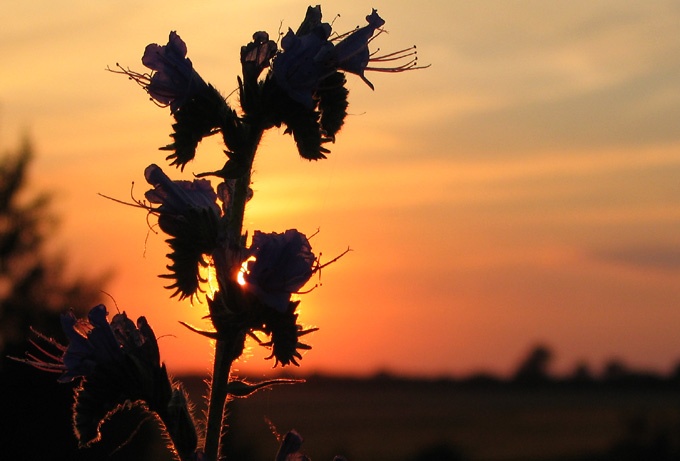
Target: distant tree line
(535,370)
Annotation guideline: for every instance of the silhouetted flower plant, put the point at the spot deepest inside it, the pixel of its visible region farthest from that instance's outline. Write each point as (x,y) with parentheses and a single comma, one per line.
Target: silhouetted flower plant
(118,362)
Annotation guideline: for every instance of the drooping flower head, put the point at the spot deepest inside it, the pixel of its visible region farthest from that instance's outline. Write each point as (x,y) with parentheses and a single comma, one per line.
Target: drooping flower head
(173,79)
(303,63)
(190,215)
(282,265)
(276,266)
(198,107)
(180,197)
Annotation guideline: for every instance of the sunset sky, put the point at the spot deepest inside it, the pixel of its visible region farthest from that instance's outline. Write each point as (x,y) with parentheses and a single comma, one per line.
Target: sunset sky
(524,189)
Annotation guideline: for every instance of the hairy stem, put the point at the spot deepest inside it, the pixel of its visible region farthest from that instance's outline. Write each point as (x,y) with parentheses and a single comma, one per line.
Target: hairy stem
(228,349)
(217,400)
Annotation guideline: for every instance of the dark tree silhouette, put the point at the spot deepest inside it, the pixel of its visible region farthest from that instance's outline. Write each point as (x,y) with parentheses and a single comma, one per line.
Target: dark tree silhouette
(615,370)
(35,420)
(534,368)
(33,287)
(581,375)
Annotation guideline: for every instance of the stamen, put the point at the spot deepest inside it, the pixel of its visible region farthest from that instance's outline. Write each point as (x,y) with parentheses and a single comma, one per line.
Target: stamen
(338,37)
(142,80)
(320,266)
(406,52)
(49,340)
(42,366)
(306,291)
(410,66)
(136,204)
(47,354)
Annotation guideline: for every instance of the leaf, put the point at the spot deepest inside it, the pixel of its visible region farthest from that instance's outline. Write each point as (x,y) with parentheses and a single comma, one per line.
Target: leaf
(239,388)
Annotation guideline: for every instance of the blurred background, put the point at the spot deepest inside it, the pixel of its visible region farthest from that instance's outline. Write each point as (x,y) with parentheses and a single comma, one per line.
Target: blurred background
(519,195)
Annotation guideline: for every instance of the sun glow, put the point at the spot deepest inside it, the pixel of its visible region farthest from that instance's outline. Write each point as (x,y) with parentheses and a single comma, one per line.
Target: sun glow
(211,276)
(241,276)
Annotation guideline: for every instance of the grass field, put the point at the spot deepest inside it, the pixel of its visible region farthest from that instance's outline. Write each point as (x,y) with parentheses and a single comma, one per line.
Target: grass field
(376,420)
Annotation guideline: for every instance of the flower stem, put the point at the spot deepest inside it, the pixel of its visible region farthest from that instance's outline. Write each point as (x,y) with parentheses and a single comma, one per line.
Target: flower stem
(230,346)
(216,428)
(217,400)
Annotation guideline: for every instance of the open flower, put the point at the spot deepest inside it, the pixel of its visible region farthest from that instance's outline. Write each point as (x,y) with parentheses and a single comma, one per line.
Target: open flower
(95,344)
(311,55)
(173,80)
(283,263)
(351,54)
(302,64)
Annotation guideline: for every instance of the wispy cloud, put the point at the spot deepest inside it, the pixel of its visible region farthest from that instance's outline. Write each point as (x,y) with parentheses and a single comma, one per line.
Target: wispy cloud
(654,257)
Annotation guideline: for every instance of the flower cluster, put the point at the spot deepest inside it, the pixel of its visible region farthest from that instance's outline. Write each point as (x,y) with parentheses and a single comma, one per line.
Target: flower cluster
(305,88)
(310,55)
(117,363)
(276,265)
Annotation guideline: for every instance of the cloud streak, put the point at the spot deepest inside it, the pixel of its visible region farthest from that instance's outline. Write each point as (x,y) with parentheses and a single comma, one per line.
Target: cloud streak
(665,258)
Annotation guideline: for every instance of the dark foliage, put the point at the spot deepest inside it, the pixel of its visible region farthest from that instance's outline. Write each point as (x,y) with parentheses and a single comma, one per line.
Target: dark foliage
(534,368)
(33,293)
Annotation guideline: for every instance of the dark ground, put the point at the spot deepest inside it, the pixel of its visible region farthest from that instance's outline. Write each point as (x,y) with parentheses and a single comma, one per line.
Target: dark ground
(412,420)
(393,419)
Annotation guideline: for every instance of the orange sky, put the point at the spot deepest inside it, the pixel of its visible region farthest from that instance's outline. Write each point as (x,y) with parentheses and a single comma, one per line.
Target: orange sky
(523,189)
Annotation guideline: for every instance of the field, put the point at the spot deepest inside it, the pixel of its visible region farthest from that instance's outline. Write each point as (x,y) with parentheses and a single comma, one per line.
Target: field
(397,420)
